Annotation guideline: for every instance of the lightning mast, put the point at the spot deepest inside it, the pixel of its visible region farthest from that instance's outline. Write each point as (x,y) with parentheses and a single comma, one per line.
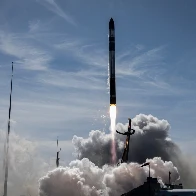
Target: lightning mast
(57,154)
(7,142)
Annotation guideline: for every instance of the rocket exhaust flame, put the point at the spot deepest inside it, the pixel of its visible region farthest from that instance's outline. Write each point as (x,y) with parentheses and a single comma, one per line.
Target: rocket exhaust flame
(113,112)
(113,125)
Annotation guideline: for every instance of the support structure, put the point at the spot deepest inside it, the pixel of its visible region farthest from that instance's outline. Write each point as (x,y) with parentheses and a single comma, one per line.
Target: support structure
(130,132)
(149,178)
(57,154)
(169,178)
(6,163)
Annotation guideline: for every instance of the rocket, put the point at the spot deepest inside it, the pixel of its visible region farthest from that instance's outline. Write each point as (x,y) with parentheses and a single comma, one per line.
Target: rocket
(112,62)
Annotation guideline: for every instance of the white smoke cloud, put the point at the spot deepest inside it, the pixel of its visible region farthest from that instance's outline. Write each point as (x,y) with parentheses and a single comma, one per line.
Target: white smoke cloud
(25,167)
(84,178)
(150,140)
(93,175)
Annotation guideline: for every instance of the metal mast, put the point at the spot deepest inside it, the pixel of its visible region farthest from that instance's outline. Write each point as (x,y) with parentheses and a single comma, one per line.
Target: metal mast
(7,141)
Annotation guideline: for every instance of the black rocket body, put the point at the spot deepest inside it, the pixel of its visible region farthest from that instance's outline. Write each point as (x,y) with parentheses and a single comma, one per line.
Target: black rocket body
(112,62)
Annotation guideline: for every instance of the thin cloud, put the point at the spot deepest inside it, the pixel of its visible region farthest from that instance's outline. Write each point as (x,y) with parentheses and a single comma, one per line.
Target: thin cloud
(34,25)
(86,80)
(130,63)
(86,53)
(140,63)
(28,56)
(146,66)
(53,6)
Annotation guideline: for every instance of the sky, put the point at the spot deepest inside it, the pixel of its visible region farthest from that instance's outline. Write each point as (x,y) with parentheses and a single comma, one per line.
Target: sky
(60,54)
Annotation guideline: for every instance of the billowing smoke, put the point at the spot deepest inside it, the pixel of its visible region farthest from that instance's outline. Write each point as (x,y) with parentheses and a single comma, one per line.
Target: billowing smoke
(150,140)
(84,178)
(92,174)
(25,167)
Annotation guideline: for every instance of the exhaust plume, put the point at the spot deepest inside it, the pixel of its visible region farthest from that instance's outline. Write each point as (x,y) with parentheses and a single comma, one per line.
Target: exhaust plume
(92,176)
(113,126)
(151,139)
(84,178)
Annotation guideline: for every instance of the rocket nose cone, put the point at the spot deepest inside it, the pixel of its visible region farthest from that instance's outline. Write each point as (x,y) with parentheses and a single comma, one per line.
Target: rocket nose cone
(111,24)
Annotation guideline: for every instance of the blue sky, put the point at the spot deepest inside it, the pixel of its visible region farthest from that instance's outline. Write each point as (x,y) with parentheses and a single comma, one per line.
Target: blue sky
(60,54)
